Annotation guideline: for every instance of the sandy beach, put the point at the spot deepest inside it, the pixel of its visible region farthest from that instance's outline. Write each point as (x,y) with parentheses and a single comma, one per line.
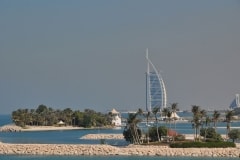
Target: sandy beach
(49,128)
(14,128)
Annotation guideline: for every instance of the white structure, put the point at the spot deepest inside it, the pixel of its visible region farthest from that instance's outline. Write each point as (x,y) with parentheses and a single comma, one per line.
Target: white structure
(235,103)
(175,116)
(60,123)
(156,95)
(116,118)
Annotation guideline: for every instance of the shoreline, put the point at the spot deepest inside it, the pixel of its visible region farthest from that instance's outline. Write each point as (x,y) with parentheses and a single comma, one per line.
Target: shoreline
(49,128)
(107,150)
(14,128)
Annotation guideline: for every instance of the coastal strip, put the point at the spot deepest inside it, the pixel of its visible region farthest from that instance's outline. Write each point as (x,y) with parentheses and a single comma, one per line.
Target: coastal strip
(106,150)
(14,128)
(103,136)
(119,136)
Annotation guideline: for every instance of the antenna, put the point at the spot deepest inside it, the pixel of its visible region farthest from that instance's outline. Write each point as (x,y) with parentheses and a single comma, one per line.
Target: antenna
(148,68)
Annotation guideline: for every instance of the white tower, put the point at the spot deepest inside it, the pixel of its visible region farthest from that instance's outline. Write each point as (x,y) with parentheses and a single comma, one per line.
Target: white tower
(156,95)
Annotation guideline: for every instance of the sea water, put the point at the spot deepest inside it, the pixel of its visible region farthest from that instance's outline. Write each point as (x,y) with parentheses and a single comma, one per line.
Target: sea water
(74,137)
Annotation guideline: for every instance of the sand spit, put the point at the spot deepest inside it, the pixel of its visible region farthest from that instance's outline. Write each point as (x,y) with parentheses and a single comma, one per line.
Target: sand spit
(103,136)
(67,149)
(14,128)
(49,128)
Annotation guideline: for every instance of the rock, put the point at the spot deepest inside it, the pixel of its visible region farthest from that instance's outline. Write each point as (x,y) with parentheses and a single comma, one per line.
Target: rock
(10,128)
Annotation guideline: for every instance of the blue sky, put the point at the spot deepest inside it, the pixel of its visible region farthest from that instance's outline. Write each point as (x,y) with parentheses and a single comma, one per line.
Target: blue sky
(91,54)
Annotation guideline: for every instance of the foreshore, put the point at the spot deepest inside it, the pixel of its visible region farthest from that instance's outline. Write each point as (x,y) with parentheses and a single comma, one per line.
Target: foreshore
(14,128)
(107,150)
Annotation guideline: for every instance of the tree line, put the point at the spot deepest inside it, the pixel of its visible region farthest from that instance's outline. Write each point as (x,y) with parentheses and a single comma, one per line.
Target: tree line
(203,125)
(47,116)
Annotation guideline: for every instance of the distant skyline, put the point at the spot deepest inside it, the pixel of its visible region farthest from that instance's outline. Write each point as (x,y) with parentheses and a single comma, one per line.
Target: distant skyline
(91,54)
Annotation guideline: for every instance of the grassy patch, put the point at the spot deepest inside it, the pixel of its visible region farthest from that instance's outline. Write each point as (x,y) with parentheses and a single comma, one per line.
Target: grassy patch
(202,145)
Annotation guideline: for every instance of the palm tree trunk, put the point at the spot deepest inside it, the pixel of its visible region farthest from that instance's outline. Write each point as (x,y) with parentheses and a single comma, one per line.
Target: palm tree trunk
(228,129)
(196,132)
(133,135)
(136,135)
(147,131)
(157,131)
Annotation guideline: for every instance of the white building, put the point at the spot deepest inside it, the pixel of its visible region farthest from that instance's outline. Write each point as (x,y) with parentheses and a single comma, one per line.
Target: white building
(235,103)
(116,118)
(156,95)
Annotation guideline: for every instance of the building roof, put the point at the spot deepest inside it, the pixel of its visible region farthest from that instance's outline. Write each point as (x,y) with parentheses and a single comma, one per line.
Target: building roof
(114,111)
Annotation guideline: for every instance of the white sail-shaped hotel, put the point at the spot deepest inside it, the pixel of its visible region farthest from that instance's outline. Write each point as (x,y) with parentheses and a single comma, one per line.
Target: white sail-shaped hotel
(156,95)
(235,103)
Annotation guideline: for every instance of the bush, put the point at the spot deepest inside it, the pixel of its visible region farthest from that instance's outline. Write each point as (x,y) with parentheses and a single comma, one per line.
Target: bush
(180,137)
(211,134)
(129,136)
(162,131)
(234,134)
(203,145)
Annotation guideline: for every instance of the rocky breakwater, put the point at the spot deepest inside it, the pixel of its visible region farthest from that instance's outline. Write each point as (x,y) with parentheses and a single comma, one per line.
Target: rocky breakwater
(56,149)
(10,128)
(62,149)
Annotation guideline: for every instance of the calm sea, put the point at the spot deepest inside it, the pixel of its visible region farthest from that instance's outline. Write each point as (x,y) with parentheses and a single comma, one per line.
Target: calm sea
(74,137)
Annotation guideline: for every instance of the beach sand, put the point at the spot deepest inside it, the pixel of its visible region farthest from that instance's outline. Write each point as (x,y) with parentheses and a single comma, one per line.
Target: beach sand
(49,128)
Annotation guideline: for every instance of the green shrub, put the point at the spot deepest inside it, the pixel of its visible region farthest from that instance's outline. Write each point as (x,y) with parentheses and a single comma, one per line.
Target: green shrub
(203,145)
(234,134)
(211,134)
(102,141)
(180,137)
(162,131)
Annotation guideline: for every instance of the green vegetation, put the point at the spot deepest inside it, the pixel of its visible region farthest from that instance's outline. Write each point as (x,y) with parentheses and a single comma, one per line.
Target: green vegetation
(229,118)
(234,134)
(210,134)
(202,145)
(132,132)
(155,135)
(47,116)
(204,126)
(198,120)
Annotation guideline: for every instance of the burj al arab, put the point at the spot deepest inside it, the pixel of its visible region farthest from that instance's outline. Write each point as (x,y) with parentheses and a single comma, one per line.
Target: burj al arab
(156,95)
(235,103)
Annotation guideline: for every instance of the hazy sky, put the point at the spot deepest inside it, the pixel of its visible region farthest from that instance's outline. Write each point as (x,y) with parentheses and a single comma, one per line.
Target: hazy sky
(91,53)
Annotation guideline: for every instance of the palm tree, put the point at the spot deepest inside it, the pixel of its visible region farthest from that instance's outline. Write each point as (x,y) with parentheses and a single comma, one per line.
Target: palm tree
(131,132)
(229,118)
(203,114)
(196,122)
(169,113)
(148,114)
(207,122)
(216,116)
(132,122)
(174,108)
(155,111)
(165,113)
(195,109)
(68,116)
